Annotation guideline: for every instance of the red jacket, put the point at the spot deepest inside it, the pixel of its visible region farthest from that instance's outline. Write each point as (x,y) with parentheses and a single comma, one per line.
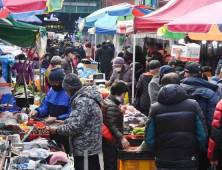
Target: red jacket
(215,140)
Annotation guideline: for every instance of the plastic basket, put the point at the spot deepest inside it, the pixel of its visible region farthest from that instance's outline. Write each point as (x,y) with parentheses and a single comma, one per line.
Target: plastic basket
(135,155)
(137,165)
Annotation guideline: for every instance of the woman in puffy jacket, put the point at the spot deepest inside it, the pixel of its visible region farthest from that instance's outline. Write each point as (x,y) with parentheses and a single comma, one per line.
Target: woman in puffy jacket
(113,120)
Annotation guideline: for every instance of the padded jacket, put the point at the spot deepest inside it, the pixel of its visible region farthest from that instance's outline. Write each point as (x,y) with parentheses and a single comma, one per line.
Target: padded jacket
(142,88)
(219,90)
(84,125)
(204,93)
(56,104)
(214,149)
(176,129)
(105,56)
(113,116)
(68,65)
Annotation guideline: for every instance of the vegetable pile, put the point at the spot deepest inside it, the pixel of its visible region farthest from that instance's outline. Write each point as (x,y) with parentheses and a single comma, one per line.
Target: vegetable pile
(138,131)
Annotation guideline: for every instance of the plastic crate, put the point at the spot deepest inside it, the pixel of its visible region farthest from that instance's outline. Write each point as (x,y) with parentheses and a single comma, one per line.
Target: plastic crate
(135,142)
(36,136)
(135,155)
(137,165)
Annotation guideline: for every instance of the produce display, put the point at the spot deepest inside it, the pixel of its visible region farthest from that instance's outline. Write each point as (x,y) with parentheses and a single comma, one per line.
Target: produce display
(134,119)
(14,123)
(105,92)
(127,130)
(24,127)
(138,131)
(40,131)
(134,122)
(20,89)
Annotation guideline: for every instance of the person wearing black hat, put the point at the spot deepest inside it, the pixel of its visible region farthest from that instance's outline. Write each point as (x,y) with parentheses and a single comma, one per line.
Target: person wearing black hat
(84,126)
(55,104)
(204,93)
(67,62)
(154,86)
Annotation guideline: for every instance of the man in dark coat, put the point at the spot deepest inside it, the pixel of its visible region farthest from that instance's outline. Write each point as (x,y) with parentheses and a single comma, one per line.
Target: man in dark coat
(104,56)
(204,93)
(113,120)
(175,144)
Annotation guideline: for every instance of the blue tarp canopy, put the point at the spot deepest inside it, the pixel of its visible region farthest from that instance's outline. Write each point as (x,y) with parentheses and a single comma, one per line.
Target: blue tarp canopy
(105,31)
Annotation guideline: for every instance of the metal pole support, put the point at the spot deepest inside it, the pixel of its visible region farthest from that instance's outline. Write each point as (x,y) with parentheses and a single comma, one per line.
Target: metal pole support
(85,159)
(134,58)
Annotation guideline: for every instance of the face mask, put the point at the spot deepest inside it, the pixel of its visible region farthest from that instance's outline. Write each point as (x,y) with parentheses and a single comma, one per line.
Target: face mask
(118,69)
(57,88)
(22,61)
(118,98)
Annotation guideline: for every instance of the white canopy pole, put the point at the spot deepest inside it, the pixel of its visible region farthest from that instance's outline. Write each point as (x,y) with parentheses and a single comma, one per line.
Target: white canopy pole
(95,48)
(134,57)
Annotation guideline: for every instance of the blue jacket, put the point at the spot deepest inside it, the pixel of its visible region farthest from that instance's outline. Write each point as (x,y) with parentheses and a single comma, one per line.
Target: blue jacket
(214,80)
(56,104)
(204,93)
(176,129)
(219,90)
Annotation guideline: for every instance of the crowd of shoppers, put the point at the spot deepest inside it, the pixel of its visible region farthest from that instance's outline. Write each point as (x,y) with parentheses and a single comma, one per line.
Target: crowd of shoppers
(180,99)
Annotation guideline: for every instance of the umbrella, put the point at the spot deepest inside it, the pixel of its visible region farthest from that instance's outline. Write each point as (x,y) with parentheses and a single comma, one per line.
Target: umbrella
(32,18)
(198,21)
(23,8)
(108,17)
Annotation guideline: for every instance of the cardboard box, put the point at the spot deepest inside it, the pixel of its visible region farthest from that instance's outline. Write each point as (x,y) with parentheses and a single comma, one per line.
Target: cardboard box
(91,66)
(190,52)
(5,88)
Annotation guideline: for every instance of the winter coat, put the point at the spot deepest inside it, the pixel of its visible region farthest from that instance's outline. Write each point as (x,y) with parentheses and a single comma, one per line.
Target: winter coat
(81,52)
(154,88)
(214,149)
(56,104)
(214,80)
(27,73)
(113,116)
(84,126)
(68,65)
(142,88)
(139,56)
(204,93)
(219,90)
(62,49)
(104,54)
(176,129)
(45,63)
(125,75)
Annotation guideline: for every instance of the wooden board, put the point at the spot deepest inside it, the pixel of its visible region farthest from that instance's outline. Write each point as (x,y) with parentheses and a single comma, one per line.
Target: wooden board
(3,160)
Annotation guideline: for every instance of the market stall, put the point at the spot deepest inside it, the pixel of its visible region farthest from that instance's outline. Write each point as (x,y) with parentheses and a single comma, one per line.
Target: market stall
(38,153)
(138,156)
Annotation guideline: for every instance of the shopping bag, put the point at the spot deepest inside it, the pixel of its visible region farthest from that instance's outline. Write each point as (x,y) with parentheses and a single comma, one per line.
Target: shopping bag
(126,99)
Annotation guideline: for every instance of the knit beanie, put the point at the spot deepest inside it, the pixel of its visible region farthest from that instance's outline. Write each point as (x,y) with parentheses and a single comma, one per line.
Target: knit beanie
(164,70)
(71,82)
(118,61)
(154,64)
(56,60)
(56,75)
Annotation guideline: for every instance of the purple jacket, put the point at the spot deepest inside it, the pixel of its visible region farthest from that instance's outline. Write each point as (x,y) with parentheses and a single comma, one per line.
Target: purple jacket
(28,72)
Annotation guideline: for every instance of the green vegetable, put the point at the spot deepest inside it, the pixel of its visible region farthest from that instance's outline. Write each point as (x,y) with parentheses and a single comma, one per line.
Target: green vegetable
(138,131)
